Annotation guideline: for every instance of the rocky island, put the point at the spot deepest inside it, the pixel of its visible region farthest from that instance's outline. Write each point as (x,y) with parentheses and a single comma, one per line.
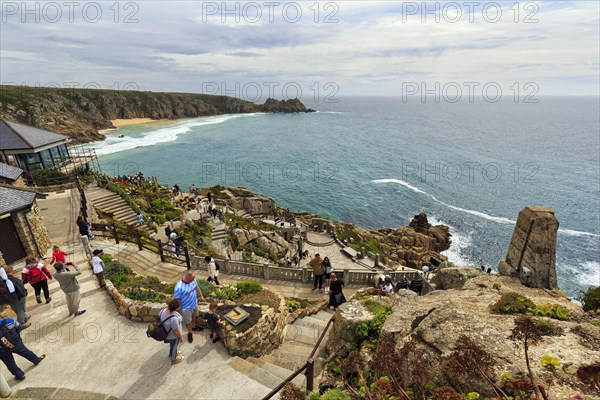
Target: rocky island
(82,113)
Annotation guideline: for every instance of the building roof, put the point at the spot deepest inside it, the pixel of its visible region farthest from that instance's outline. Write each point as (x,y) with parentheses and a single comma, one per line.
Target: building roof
(9,172)
(15,136)
(14,199)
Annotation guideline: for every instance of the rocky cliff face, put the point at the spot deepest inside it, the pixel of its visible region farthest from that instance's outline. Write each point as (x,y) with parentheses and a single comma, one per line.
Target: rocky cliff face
(434,323)
(410,246)
(81,113)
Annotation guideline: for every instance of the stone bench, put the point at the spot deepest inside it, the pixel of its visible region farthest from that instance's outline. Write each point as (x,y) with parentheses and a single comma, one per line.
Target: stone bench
(351,252)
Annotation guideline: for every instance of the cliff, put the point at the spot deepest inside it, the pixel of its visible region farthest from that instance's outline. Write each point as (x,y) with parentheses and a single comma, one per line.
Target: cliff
(425,331)
(81,113)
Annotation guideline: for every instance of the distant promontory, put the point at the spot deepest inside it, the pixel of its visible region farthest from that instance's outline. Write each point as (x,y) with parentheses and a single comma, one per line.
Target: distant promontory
(82,113)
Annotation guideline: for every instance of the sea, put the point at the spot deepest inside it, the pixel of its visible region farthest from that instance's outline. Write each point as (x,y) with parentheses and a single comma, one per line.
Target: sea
(379,161)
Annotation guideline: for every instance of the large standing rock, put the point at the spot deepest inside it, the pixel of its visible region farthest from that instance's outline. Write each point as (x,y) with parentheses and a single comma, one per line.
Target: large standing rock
(532,251)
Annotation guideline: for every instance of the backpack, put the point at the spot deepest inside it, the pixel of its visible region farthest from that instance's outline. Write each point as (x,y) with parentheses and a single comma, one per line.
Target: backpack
(217,266)
(9,338)
(6,297)
(34,273)
(157,330)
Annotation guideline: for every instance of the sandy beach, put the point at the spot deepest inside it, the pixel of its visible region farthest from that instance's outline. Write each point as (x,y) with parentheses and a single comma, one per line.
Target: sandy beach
(133,121)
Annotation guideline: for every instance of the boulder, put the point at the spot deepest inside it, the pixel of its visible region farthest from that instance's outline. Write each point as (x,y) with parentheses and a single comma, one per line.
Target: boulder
(347,317)
(454,278)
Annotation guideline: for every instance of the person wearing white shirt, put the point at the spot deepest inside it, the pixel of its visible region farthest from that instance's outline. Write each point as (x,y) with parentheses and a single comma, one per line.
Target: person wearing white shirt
(98,267)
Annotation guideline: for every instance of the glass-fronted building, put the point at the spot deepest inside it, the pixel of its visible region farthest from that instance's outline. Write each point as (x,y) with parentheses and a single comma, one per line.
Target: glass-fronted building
(31,148)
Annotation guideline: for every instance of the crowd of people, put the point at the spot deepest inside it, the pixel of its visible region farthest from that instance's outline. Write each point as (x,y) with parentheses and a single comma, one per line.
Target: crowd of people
(13,291)
(137,180)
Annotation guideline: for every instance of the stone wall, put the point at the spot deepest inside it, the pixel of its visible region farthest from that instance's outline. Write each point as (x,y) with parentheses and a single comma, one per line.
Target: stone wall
(265,336)
(28,223)
(533,244)
(262,338)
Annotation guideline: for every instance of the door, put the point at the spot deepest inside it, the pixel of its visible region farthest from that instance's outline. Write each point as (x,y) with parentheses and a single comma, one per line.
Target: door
(10,243)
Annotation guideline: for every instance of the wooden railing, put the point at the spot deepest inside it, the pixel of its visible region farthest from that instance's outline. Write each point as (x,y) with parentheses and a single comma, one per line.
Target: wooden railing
(143,241)
(308,368)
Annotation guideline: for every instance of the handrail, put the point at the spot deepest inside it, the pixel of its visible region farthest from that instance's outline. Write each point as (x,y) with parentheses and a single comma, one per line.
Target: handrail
(321,337)
(308,365)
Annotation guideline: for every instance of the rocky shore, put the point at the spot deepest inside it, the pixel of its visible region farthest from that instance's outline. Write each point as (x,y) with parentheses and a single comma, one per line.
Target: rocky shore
(82,113)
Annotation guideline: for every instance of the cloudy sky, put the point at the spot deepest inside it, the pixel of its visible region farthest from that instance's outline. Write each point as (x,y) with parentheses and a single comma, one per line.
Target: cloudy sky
(337,47)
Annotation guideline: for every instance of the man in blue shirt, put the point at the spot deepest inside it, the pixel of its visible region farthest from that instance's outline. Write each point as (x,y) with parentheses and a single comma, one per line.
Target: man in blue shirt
(10,342)
(188,292)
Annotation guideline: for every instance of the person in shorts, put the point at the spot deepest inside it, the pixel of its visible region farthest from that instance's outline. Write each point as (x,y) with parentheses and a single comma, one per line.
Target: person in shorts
(188,292)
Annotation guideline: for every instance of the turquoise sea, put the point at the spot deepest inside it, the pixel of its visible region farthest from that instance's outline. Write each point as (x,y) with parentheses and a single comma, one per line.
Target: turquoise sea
(378,161)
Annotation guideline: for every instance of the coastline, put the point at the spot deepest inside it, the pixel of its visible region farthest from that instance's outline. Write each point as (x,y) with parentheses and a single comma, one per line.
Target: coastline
(118,123)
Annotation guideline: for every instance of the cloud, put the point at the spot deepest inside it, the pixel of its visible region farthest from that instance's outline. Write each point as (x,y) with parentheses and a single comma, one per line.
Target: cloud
(363,47)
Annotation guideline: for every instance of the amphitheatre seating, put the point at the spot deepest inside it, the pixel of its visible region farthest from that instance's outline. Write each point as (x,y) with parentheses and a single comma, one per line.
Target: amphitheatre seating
(350,251)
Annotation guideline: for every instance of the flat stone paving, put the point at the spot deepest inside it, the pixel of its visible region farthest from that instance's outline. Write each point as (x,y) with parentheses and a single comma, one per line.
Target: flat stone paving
(103,352)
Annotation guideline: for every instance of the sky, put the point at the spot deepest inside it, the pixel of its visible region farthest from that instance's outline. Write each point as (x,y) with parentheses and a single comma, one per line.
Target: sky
(255,50)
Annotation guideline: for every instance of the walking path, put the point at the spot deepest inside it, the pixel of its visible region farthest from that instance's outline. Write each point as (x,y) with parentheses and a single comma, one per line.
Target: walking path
(101,354)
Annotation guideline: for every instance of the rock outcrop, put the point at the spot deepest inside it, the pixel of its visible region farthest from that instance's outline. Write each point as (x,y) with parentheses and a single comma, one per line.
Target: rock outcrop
(438,319)
(454,277)
(81,113)
(410,246)
(532,251)
(270,242)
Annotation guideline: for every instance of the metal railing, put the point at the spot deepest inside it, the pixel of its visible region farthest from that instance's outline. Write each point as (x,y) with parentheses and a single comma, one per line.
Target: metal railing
(309,367)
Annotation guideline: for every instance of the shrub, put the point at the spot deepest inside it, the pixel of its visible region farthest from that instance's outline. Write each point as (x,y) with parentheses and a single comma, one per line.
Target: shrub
(45,177)
(206,288)
(292,305)
(171,215)
(228,293)
(550,362)
(170,288)
(335,394)
(512,303)
(248,287)
(552,311)
(590,299)
(292,392)
(370,330)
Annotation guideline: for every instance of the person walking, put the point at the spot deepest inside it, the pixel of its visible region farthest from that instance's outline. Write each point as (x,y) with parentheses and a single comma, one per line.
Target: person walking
(317,267)
(98,267)
(58,255)
(188,292)
(18,301)
(336,295)
(84,228)
(140,218)
(11,343)
(37,275)
(70,286)
(172,320)
(213,271)
(327,270)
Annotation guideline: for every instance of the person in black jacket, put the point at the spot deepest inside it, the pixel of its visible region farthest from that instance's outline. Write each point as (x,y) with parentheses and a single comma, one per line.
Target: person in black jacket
(16,298)
(11,343)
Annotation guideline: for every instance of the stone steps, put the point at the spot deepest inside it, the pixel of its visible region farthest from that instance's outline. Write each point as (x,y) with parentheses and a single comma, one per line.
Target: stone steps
(111,203)
(299,340)
(53,393)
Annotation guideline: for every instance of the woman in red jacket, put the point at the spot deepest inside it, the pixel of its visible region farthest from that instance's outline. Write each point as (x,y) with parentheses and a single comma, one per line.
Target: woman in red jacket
(36,274)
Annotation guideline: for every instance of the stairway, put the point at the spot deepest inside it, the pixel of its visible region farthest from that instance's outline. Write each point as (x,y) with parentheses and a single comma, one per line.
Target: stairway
(242,214)
(111,203)
(300,338)
(58,393)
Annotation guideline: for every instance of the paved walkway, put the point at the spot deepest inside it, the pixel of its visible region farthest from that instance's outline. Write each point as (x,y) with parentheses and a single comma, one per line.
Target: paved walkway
(103,352)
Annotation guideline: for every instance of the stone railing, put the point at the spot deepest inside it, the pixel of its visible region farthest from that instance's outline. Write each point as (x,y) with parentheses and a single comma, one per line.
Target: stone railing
(304,275)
